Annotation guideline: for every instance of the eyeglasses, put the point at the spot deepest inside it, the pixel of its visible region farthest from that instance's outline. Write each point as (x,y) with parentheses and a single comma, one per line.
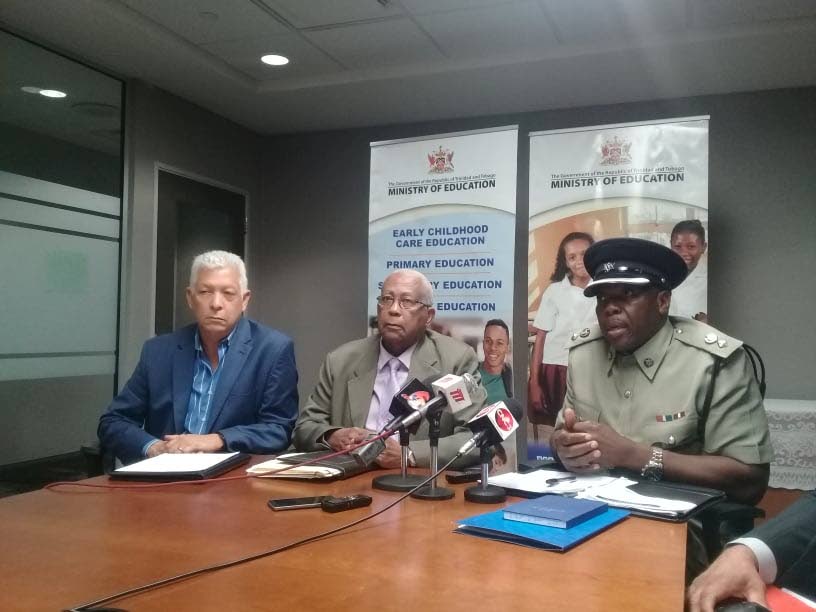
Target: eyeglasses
(387,301)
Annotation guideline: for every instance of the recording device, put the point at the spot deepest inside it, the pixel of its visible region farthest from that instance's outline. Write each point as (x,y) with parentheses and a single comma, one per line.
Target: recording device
(454,477)
(296,503)
(416,399)
(492,425)
(368,453)
(339,504)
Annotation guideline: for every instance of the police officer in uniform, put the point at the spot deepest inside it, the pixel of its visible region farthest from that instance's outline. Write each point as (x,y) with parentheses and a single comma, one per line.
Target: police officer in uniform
(668,397)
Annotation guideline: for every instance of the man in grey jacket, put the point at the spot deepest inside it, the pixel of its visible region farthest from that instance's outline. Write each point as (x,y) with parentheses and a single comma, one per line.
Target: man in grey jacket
(358,380)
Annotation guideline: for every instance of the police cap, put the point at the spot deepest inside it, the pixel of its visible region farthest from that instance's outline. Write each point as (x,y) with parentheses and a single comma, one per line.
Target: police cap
(632,261)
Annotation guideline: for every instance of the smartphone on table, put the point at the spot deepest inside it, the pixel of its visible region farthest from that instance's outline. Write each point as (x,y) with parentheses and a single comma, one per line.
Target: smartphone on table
(296,503)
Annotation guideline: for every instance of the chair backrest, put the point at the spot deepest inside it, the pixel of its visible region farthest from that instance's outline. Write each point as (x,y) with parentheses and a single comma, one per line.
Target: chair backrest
(756,360)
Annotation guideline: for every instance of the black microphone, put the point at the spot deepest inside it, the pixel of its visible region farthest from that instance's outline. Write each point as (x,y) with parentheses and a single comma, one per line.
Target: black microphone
(416,399)
(493,424)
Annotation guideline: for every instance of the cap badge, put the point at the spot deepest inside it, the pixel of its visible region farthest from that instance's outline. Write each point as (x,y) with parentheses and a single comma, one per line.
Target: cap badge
(710,338)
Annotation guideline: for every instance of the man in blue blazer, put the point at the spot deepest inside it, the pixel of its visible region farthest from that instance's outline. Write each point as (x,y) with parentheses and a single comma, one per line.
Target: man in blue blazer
(780,551)
(225,383)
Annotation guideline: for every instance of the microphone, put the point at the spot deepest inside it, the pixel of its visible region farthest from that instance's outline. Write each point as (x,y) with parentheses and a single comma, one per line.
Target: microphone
(413,401)
(492,425)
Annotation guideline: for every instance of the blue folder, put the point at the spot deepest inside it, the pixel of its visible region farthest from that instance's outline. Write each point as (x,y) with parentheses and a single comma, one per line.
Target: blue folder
(494,526)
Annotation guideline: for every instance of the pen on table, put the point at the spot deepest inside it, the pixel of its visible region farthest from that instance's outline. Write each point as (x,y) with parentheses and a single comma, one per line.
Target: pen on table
(554,481)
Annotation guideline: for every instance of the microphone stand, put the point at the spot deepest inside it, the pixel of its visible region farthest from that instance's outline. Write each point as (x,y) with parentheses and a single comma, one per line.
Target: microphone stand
(402,481)
(484,493)
(431,491)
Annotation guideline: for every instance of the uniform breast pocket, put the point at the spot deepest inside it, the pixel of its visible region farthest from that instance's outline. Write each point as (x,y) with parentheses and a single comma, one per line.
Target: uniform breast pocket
(674,431)
(586,411)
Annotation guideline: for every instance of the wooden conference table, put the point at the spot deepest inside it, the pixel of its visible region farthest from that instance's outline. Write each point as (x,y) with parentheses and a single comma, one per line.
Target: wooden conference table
(67,547)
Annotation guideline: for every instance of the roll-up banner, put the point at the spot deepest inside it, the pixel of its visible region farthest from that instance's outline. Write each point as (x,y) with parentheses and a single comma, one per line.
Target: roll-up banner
(445,205)
(644,180)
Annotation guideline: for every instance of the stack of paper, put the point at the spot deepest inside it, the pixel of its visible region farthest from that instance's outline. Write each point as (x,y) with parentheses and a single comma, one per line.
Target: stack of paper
(267,469)
(617,493)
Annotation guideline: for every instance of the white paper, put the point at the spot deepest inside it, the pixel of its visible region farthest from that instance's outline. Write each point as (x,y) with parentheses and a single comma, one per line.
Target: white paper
(536,481)
(176,462)
(618,494)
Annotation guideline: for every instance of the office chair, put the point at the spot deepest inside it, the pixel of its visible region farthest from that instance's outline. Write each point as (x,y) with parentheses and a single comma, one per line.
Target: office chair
(97,460)
(727,520)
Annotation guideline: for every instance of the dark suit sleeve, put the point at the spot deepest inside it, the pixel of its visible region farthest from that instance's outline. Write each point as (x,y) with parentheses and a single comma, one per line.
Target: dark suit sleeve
(791,534)
(277,411)
(120,428)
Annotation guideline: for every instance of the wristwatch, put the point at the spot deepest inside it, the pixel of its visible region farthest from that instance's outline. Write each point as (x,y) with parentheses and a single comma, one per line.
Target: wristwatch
(654,469)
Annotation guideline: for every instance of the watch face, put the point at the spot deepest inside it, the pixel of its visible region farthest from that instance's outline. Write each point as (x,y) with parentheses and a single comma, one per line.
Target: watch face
(652,472)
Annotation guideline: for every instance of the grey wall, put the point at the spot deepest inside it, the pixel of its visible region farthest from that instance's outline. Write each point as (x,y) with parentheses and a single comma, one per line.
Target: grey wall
(164,129)
(310,271)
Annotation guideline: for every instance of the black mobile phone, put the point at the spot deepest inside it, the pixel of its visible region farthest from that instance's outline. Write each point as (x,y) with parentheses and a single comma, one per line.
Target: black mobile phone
(338,504)
(296,503)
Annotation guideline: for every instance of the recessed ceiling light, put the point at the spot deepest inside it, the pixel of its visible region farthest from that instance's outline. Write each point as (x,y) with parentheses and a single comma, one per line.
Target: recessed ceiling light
(52,93)
(275,60)
(31,90)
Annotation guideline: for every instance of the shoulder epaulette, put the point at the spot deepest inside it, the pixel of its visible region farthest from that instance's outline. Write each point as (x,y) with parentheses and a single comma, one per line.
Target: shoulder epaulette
(704,337)
(584,335)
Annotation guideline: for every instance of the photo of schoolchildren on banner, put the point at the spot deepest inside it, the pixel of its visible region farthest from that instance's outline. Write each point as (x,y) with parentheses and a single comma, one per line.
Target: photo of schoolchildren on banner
(642,180)
(445,205)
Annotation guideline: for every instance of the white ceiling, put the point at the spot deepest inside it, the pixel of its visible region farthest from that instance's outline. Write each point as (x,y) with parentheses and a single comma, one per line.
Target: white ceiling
(371,62)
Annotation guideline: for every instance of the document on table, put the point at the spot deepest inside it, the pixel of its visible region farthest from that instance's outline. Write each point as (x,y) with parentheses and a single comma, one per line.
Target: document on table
(559,482)
(269,469)
(177,462)
(667,500)
(617,493)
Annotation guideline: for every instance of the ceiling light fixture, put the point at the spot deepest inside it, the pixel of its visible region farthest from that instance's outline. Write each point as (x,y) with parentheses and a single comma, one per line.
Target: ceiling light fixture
(275,60)
(52,93)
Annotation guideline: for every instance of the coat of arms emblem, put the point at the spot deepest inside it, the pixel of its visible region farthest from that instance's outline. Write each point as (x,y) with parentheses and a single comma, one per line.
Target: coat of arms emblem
(441,161)
(615,152)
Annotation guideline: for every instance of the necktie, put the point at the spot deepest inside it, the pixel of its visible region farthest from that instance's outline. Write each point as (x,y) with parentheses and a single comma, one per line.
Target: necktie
(392,385)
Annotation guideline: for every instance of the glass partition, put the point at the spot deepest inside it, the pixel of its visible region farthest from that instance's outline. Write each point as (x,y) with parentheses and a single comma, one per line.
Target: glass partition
(60,227)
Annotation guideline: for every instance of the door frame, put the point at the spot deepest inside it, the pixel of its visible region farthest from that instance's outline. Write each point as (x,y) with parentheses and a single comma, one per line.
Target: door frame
(193,176)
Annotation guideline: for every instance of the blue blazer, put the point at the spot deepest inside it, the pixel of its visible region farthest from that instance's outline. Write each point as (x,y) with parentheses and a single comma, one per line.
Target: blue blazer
(255,403)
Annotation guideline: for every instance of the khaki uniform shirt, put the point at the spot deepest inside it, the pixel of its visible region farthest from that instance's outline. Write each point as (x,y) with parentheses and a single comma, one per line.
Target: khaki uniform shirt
(656,395)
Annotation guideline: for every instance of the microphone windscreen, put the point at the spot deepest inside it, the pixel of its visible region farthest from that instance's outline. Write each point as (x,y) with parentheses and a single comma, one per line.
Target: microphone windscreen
(412,396)
(455,390)
(497,419)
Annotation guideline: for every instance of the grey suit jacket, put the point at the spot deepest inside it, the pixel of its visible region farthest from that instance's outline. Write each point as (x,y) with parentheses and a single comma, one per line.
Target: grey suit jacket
(791,536)
(342,396)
